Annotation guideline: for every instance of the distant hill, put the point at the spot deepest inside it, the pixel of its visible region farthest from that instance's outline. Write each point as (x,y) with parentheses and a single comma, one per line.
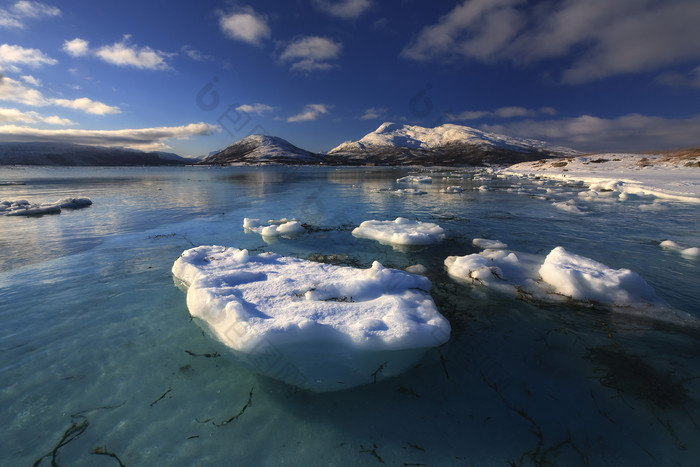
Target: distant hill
(261,149)
(65,154)
(395,144)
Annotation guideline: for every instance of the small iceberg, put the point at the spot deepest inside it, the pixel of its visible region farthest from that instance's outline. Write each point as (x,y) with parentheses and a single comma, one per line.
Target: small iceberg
(401,231)
(316,326)
(280,228)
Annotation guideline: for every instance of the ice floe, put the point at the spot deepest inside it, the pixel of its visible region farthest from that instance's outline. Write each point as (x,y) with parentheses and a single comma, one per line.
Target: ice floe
(486,244)
(415,179)
(452,189)
(313,325)
(692,252)
(22,207)
(563,276)
(274,228)
(400,231)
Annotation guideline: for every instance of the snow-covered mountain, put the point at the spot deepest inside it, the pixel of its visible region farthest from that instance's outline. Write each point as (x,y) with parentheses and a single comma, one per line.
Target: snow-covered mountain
(395,144)
(262,149)
(65,154)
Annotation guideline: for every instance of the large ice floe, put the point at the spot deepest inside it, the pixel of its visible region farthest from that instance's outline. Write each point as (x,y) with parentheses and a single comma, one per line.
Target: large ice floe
(563,276)
(400,231)
(316,326)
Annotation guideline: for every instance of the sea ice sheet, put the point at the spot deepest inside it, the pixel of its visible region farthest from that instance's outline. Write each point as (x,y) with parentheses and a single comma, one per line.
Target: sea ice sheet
(329,327)
(400,231)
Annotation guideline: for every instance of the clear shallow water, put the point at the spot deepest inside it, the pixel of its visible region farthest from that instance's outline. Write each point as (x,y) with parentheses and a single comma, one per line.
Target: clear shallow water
(97,349)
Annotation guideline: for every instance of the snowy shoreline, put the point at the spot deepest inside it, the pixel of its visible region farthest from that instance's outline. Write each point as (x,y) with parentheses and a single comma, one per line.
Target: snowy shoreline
(671,176)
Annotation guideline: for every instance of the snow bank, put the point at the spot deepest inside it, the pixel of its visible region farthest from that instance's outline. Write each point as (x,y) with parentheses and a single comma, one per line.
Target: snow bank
(275,228)
(560,275)
(401,231)
(621,176)
(692,252)
(313,325)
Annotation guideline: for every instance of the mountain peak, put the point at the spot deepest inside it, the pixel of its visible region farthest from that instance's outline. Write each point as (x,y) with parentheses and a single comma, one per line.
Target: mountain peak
(262,149)
(445,144)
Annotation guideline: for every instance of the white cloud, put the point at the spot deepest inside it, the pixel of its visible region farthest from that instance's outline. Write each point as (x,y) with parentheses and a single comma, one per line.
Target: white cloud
(123,54)
(595,38)
(31,80)
(311,53)
(347,9)
(633,132)
(245,25)
(374,113)
(310,112)
(10,115)
(690,79)
(15,16)
(195,54)
(503,112)
(13,91)
(86,105)
(259,109)
(17,55)
(141,138)
(76,47)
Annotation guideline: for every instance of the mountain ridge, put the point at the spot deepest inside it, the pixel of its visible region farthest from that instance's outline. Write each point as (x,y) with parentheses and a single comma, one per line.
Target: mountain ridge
(73,155)
(262,149)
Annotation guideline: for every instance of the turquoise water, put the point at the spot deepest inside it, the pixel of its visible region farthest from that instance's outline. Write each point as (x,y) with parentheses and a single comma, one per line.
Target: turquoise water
(98,353)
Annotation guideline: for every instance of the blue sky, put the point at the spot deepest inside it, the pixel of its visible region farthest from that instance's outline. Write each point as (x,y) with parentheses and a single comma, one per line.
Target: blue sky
(194,77)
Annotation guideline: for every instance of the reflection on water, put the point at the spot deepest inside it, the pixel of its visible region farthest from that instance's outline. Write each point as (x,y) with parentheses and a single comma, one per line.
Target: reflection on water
(96,336)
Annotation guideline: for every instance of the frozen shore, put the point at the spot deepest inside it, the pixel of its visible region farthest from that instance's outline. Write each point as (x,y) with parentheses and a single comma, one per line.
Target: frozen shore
(671,175)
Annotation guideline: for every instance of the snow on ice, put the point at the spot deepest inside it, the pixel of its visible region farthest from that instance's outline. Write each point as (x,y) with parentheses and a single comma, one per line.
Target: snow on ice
(23,207)
(692,252)
(400,231)
(329,327)
(274,228)
(562,276)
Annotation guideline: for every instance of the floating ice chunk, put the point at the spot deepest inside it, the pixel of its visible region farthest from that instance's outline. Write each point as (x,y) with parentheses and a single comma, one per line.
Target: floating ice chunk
(317,326)
(274,230)
(569,206)
(497,269)
(22,207)
(560,274)
(409,191)
(417,269)
(415,179)
(584,279)
(486,244)
(692,252)
(401,231)
(452,189)
(67,203)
